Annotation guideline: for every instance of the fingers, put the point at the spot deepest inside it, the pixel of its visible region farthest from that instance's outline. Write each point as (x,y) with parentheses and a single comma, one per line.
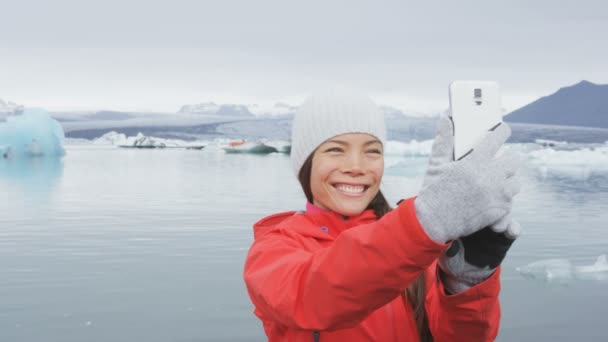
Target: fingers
(512,187)
(507,226)
(492,141)
(505,169)
(443,147)
(514,230)
(510,162)
(503,224)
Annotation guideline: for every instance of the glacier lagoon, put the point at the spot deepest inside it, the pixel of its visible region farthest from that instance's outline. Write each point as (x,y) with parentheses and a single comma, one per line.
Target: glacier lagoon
(109,244)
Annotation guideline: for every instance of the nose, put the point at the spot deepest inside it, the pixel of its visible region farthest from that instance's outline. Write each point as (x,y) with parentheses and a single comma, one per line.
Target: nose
(353,165)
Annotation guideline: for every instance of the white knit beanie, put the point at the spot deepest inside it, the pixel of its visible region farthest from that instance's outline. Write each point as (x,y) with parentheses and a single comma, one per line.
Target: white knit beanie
(327,115)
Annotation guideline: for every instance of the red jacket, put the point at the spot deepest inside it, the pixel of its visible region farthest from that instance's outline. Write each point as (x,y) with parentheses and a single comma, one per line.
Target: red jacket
(343,278)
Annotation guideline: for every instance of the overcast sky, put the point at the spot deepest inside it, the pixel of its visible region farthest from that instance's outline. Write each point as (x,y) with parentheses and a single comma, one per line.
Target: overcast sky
(146,55)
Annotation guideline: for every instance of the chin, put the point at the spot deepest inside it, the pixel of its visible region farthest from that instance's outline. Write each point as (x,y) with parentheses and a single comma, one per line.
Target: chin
(350,210)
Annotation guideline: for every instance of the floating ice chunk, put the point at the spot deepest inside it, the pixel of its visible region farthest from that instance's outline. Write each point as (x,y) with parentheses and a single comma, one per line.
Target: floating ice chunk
(33,133)
(114,138)
(601,265)
(548,270)
(142,141)
(579,163)
(563,271)
(111,138)
(413,148)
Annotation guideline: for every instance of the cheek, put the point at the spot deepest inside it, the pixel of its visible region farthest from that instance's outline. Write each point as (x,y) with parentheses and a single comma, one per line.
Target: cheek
(325,170)
(320,173)
(377,170)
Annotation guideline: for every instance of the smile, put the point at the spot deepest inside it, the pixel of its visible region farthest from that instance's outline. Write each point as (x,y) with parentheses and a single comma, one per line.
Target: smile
(350,189)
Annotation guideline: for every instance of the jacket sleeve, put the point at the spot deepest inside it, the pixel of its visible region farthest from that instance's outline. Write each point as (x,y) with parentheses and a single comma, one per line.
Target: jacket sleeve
(471,315)
(336,287)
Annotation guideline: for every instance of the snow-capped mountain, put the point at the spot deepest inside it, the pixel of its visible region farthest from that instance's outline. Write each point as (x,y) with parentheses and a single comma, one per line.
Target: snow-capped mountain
(279,109)
(212,120)
(391,113)
(211,108)
(9,107)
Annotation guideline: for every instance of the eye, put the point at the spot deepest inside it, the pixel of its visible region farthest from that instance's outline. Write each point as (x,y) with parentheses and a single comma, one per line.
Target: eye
(334,149)
(374,150)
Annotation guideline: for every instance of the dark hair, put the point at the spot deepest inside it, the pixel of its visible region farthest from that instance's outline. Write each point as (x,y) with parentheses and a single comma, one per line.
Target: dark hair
(416,292)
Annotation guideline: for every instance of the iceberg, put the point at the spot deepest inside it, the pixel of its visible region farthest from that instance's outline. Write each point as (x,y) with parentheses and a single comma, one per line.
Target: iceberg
(114,138)
(111,138)
(578,163)
(412,149)
(142,141)
(31,134)
(563,271)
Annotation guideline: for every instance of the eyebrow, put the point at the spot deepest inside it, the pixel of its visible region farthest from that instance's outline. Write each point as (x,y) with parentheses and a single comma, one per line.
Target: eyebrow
(344,143)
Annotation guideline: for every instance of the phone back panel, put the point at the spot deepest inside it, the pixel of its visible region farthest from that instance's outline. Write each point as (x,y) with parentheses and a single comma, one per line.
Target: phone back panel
(475,108)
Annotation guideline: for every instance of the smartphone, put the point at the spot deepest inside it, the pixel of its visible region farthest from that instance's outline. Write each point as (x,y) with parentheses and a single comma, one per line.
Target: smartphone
(475,108)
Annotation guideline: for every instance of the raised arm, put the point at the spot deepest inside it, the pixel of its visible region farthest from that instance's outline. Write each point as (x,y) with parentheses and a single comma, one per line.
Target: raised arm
(336,287)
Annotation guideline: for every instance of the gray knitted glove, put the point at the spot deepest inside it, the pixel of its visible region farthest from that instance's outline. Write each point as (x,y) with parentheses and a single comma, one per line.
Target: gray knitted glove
(461,197)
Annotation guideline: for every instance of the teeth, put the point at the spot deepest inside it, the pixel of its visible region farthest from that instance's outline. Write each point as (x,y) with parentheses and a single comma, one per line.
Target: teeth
(349,188)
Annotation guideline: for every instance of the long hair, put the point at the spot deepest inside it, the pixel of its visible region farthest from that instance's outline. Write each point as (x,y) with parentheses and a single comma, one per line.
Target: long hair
(416,292)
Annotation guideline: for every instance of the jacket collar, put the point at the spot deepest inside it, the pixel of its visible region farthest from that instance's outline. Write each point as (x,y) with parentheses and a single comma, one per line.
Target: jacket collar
(315,222)
(313,209)
(332,223)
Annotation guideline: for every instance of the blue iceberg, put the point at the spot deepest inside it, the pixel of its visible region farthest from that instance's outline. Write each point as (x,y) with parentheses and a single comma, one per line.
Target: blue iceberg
(30,134)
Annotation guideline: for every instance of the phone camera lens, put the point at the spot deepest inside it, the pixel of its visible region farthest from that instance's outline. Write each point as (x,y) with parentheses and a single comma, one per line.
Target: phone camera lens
(477,96)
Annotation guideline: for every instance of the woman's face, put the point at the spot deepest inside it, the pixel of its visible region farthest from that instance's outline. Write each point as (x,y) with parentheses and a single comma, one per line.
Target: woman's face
(346,173)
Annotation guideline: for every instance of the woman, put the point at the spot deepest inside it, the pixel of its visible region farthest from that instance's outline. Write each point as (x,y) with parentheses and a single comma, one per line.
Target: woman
(351,269)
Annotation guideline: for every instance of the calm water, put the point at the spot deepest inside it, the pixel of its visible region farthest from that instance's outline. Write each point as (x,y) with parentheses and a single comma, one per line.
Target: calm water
(148,245)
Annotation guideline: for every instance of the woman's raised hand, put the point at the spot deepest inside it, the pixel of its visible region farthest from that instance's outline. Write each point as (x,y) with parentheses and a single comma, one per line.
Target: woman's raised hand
(458,198)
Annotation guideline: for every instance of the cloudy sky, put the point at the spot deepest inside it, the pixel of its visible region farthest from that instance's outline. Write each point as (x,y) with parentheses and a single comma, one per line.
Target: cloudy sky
(146,55)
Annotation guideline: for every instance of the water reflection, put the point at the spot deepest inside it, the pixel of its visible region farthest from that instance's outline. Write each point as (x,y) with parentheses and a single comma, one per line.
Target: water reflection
(35,175)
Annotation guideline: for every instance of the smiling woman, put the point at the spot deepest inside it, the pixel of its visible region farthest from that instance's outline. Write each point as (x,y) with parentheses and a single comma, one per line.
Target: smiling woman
(346,174)
(350,268)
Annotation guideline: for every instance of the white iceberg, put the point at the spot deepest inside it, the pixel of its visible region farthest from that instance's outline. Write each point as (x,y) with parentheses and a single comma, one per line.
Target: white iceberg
(142,141)
(114,138)
(111,138)
(31,134)
(579,163)
(413,148)
(563,271)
